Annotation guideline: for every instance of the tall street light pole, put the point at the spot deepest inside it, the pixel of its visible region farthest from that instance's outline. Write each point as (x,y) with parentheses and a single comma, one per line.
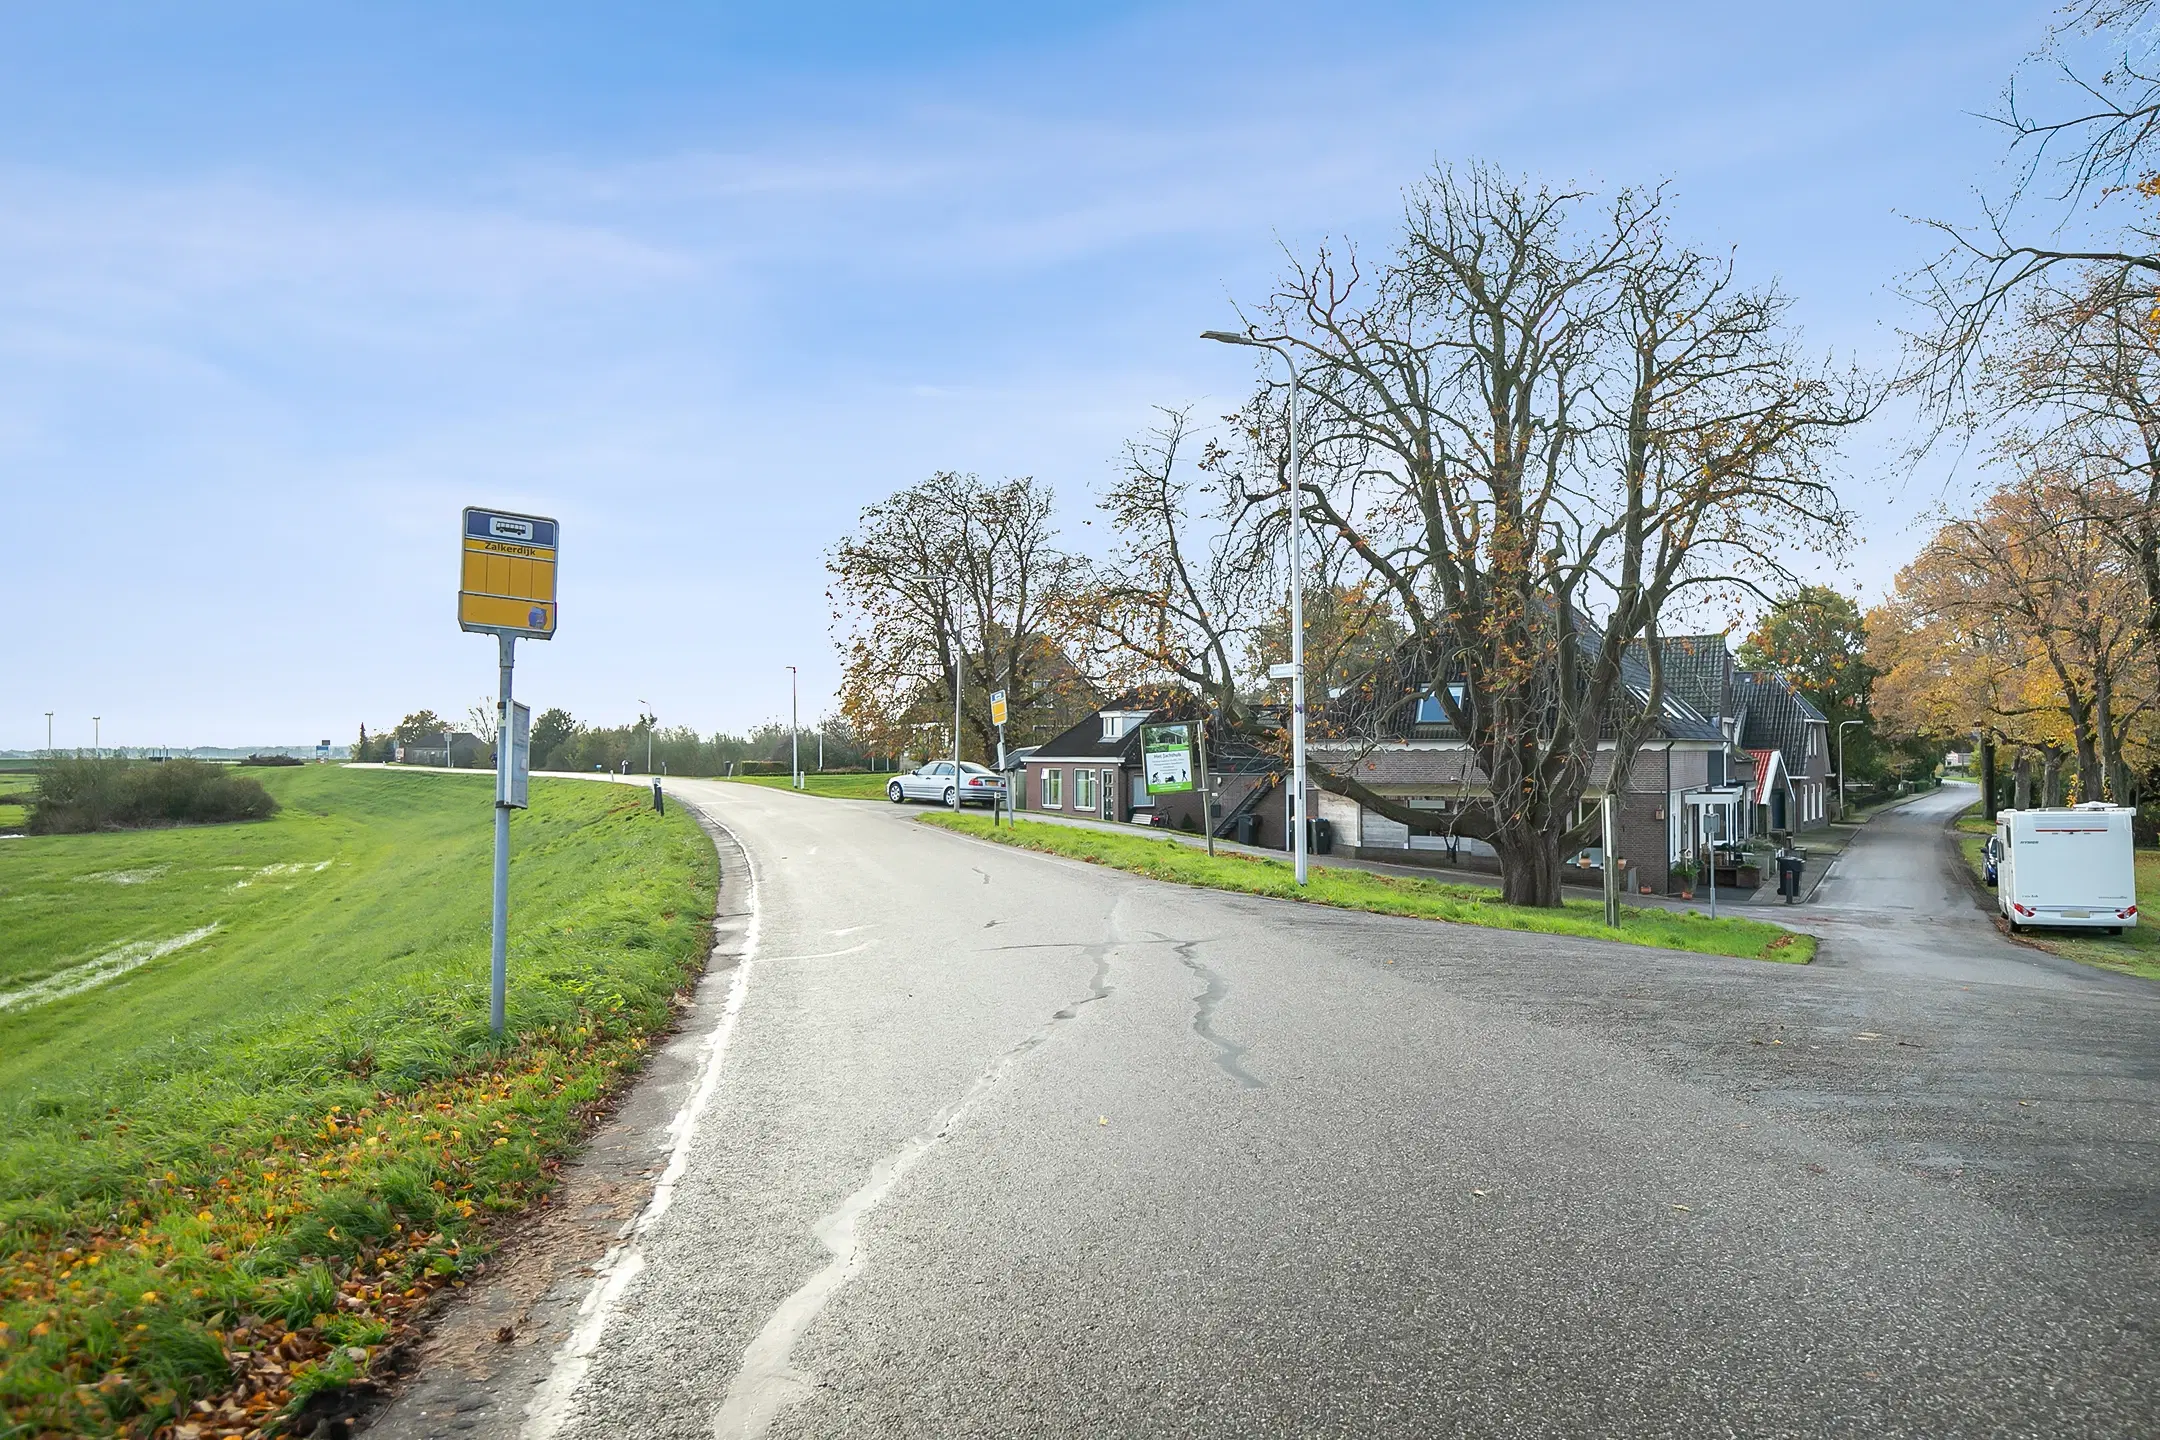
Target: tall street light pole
(1297,602)
(644,710)
(48,732)
(794,710)
(1841,764)
(957,661)
(97,736)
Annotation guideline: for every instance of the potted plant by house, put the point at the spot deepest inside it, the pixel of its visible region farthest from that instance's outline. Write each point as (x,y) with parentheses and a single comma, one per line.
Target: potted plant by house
(1683,875)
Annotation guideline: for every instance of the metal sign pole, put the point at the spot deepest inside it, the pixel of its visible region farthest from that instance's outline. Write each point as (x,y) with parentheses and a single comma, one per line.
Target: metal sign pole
(1611,841)
(1207,792)
(499,970)
(1713,860)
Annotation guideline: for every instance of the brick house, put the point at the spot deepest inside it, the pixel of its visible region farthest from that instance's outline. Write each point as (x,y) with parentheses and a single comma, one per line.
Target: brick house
(1718,727)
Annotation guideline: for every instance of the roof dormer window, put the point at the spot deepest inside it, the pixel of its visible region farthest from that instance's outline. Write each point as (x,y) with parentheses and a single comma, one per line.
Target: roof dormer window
(1117,724)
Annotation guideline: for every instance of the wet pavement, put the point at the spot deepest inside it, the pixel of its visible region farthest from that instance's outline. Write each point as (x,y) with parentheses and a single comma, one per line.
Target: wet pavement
(968,1141)
(1897,902)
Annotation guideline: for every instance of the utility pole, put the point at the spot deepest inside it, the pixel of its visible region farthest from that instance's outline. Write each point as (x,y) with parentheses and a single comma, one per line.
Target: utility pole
(794,727)
(48,732)
(645,714)
(97,736)
(1297,603)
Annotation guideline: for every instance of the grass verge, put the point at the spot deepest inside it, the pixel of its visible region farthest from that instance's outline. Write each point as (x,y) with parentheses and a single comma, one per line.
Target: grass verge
(2134,952)
(1165,859)
(231,1170)
(833,787)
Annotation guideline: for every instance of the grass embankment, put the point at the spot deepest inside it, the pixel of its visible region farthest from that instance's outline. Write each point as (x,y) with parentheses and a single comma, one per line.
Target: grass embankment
(229,1171)
(2134,952)
(1172,860)
(833,787)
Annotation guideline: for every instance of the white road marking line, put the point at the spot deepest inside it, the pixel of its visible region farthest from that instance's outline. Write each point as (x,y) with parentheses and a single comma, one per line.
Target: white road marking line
(821,955)
(553,1404)
(109,966)
(851,929)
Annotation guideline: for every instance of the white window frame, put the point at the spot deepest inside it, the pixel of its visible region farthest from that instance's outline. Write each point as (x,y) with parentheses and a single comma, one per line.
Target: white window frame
(1083,789)
(1053,788)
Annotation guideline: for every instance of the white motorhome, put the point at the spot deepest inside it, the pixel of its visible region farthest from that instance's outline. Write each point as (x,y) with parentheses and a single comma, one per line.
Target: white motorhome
(2072,867)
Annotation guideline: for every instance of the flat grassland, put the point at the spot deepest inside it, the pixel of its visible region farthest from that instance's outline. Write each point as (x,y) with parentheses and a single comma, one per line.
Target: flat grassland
(250,1111)
(1166,859)
(2134,952)
(832,787)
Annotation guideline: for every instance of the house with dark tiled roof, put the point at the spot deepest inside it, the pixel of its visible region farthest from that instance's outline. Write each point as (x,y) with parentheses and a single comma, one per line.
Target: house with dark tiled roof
(1395,739)
(1788,742)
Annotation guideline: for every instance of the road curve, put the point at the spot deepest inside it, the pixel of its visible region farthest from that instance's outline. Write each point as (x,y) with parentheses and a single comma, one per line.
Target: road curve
(1004,1145)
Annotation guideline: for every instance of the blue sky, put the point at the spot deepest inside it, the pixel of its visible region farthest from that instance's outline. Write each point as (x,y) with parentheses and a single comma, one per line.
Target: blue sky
(282,287)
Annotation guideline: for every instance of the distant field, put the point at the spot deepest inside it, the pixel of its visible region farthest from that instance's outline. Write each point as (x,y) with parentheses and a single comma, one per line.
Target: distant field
(248,1099)
(2134,952)
(835,787)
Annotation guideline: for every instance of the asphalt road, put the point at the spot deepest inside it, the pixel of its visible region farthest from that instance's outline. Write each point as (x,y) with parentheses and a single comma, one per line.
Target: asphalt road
(995,1144)
(1896,903)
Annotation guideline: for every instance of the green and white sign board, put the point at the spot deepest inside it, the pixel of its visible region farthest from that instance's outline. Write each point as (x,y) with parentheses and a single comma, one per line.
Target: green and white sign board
(1167,751)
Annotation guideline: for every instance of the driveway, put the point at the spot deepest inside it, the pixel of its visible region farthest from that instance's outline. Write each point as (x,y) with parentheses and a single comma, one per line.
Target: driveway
(970,1141)
(1897,902)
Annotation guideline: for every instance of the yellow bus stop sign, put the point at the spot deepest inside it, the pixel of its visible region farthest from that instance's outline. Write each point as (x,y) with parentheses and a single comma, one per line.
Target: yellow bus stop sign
(997,707)
(508,580)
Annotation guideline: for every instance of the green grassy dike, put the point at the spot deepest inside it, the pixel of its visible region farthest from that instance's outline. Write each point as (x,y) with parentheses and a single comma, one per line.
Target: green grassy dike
(230,1175)
(1161,858)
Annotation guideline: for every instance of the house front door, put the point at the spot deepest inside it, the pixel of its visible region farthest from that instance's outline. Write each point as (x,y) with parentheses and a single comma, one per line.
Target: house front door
(1108,791)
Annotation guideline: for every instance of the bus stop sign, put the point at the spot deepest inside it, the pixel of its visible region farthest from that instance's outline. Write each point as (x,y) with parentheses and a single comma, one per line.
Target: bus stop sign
(507,583)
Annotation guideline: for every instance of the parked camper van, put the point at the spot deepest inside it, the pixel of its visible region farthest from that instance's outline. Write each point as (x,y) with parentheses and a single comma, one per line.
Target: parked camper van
(2069,867)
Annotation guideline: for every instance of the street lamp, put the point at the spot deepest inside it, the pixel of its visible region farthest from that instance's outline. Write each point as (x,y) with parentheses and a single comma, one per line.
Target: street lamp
(48,732)
(97,737)
(644,710)
(1841,763)
(794,710)
(1297,602)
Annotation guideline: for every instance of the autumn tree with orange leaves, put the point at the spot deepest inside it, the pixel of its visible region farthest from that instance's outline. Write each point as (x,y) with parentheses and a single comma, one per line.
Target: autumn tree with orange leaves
(2025,619)
(955,574)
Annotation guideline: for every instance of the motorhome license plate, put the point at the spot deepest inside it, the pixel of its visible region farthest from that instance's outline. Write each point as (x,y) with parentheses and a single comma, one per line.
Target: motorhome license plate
(2077,914)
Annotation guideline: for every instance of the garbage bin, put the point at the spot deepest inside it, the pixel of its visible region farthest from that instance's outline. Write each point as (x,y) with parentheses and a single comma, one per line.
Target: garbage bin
(1790,866)
(1246,829)
(1321,836)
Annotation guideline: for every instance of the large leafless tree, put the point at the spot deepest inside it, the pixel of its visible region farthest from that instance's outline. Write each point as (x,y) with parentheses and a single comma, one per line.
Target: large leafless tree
(1537,423)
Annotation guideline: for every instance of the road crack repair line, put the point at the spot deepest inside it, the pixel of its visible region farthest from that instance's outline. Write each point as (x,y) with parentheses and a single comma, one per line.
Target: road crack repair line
(1229,1056)
(767,1381)
(554,1403)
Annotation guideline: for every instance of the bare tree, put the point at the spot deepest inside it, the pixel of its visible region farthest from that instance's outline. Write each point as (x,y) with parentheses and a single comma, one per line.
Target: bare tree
(1535,433)
(1177,599)
(2102,144)
(2084,367)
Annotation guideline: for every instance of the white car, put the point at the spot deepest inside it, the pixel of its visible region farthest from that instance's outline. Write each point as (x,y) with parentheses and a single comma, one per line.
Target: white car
(935,782)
